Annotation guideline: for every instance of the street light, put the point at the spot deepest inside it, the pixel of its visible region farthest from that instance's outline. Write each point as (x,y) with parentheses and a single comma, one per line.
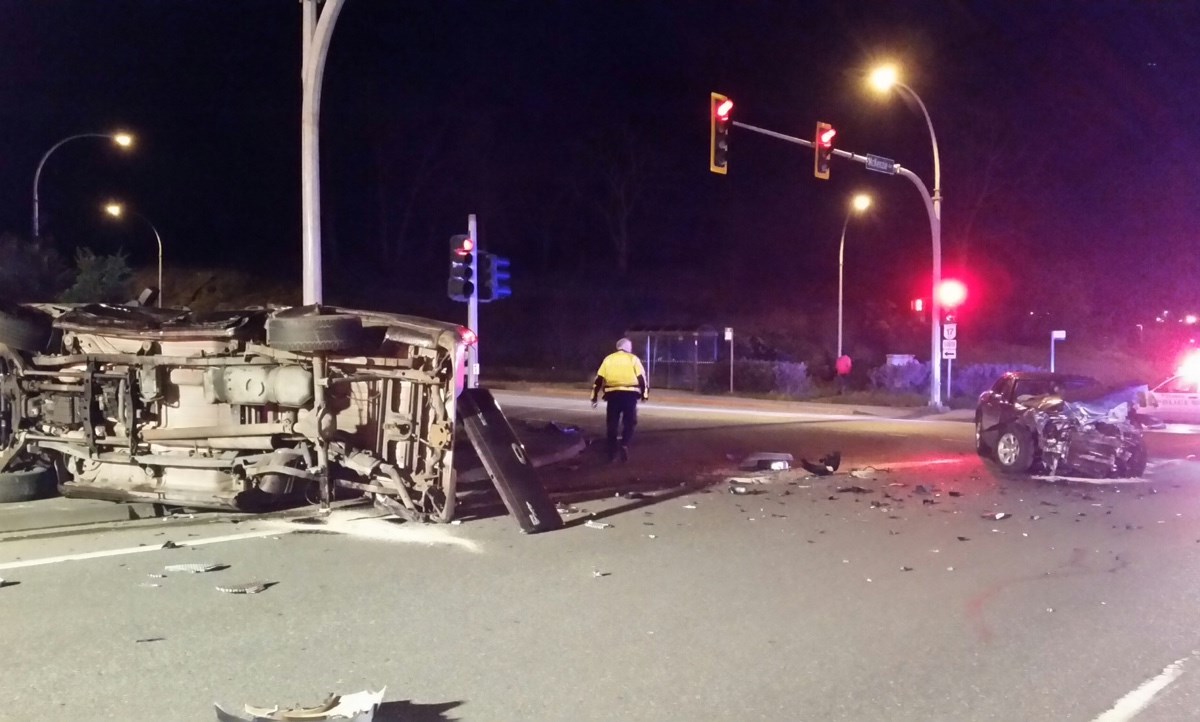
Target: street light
(116,210)
(883,79)
(860,203)
(123,140)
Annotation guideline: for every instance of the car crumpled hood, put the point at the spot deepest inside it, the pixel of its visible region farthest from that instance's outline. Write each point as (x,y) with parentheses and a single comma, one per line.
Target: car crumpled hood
(1090,403)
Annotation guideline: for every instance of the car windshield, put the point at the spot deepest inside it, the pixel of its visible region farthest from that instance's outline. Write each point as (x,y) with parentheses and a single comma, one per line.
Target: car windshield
(1026,388)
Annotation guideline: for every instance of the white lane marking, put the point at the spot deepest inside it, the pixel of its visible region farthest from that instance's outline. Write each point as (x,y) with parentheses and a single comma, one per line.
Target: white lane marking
(137,550)
(382,528)
(1132,704)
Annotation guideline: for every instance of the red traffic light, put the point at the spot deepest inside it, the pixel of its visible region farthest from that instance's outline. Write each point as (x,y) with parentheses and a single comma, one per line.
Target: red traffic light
(825,137)
(464,246)
(951,293)
(724,108)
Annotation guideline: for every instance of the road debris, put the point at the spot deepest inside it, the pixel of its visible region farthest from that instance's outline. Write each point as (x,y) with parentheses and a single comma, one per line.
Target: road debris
(149,639)
(964,538)
(767,461)
(824,466)
(562,508)
(853,490)
(247,588)
(357,707)
(921,489)
(867,472)
(906,569)
(593,524)
(194,568)
(955,493)
(149,585)
(689,506)
(170,545)
(998,515)
(156,576)
(598,573)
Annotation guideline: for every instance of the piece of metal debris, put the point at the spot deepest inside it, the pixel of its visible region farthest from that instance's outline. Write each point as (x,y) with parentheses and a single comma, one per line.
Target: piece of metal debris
(199,568)
(593,524)
(357,707)
(824,466)
(767,461)
(998,515)
(598,573)
(247,588)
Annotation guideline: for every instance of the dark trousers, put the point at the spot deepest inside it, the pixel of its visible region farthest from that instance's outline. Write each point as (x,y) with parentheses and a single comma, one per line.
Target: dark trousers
(622,411)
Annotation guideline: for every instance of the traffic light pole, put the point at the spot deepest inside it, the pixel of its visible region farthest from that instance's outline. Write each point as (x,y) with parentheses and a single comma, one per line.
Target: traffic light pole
(473,307)
(935,231)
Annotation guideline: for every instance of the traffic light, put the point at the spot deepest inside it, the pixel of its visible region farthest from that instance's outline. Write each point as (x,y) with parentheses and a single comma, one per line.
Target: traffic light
(823,149)
(720,114)
(951,293)
(461,285)
(493,277)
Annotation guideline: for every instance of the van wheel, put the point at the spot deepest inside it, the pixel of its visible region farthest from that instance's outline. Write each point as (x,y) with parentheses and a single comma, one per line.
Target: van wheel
(26,485)
(23,333)
(308,330)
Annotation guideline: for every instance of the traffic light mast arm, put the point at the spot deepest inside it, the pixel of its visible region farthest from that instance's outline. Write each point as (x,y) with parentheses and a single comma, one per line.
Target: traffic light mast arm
(935,224)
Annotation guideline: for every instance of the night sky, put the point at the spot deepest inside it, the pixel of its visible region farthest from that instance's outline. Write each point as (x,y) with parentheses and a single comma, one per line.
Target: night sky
(1068,134)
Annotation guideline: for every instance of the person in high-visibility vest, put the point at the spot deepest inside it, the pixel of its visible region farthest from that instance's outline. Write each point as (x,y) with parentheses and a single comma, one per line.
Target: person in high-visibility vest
(623,380)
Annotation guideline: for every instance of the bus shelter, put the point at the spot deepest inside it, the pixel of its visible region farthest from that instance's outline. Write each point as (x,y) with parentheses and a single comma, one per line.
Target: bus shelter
(676,357)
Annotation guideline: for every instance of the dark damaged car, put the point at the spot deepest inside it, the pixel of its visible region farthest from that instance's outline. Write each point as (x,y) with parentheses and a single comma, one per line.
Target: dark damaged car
(240,410)
(1060,424)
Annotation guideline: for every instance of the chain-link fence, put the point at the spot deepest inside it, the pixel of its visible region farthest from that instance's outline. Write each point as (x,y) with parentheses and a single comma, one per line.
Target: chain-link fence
(677,357)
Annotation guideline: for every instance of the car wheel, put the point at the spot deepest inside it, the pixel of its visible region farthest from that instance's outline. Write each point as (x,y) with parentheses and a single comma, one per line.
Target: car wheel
(1135,465)
(25,485)
(1014,450)
(314,331)
(981,446)
(23,333)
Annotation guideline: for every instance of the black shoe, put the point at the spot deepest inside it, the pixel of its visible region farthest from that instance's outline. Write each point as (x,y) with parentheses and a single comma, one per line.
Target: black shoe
(624,453)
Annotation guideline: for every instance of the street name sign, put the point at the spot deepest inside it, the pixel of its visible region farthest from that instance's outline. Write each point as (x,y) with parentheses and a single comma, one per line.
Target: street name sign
(880,164)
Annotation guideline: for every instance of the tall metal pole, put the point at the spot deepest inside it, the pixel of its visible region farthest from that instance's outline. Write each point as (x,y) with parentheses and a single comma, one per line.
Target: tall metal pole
(37,175)
(473,307)
(841,262)
(935,212)
(317,34)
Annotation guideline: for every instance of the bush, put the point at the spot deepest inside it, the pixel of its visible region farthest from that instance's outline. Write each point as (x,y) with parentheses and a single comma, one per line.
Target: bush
(783,378)
(912,377)
(100,279)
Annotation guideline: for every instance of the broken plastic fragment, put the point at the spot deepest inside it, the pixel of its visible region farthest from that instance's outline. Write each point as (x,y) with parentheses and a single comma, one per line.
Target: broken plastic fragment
(689,506)
(767,460)
(867,472)
(824,466)
(998,515)
(247,588)
(598,573)
(357,707)
(593,524)
(194,568)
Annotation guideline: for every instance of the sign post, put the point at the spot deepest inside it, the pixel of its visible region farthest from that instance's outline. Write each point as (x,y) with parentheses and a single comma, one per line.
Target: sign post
(729,338)
(1059,335)
(949,350)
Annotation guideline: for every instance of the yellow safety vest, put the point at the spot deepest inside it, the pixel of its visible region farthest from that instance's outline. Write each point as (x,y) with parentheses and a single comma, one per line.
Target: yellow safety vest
(620,371)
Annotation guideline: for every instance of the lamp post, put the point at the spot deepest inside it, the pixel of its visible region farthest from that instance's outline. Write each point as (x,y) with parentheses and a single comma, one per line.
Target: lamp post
(884,79)
(860,203)
(123,140)
(116,210)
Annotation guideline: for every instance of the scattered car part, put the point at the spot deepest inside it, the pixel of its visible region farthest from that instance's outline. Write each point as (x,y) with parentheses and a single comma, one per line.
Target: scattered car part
(357,707)
(767,461)
(506,462)
(824,466)
(247,588)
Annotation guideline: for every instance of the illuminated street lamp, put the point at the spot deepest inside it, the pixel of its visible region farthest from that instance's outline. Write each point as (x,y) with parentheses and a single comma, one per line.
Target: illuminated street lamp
(860,203)
(123,140)
(884,79)
(116,210)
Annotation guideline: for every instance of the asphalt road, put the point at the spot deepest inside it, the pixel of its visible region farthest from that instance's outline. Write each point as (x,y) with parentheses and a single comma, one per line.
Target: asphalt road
(895,594)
